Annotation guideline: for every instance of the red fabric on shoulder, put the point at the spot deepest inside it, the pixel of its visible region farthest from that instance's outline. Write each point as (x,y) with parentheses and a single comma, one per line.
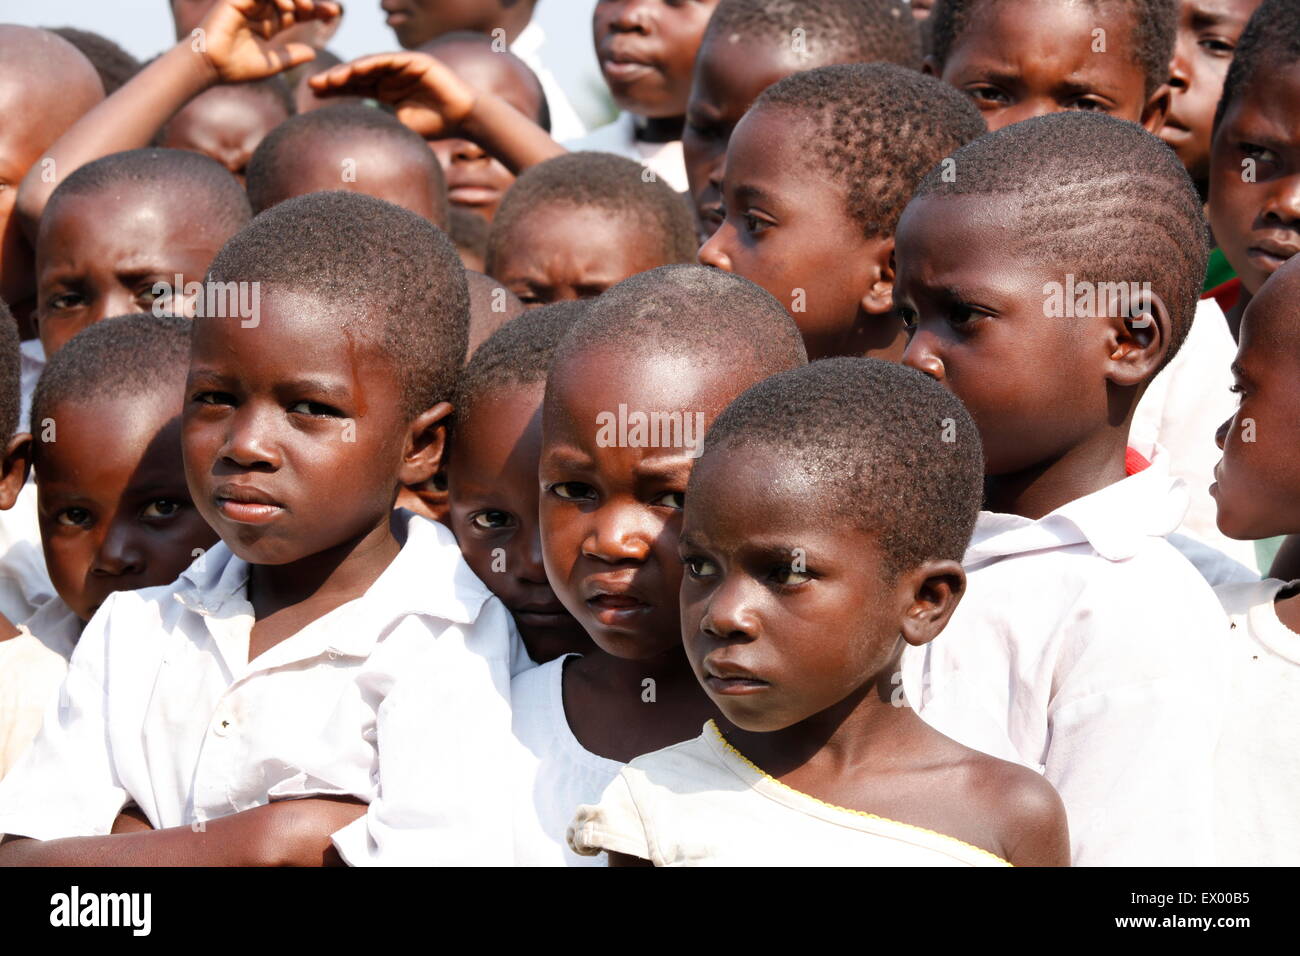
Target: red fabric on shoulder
(1134,462)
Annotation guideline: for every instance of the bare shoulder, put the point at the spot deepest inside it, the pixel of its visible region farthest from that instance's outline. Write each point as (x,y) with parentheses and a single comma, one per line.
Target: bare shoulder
(1025,813)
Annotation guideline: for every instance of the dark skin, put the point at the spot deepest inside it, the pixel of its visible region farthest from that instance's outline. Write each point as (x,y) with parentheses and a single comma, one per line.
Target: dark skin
(116,515)
(226,123)
(801,659)
(476,181)
(972,297)
(646,50)
(14,466)
(263,433)
(1208,31)
(789,232)
(1254,484)
(416,22)
(556,253)
(610,520)
(1016,63)
(1257,223)
(492,478)
(40,97)
(100,254)
(728,78)
(359,163)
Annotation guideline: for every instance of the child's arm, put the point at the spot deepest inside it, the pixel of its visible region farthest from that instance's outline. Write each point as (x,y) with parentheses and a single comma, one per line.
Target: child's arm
(433,101)
(241,41)
(286,833)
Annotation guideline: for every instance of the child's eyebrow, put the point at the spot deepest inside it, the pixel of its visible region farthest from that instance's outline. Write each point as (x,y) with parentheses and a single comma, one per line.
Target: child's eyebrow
(662,468)
(315,386)
(747,193)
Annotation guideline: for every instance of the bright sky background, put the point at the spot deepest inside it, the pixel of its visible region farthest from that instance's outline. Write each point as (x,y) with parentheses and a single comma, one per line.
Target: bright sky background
(144,27)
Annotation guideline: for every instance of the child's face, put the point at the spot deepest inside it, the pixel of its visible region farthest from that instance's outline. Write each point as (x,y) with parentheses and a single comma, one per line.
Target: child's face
(100,254)
(975,303)
(728,78)
(611,512)
(367,166)
(646,50)
(555,253)
(786,610)
(293,437)
(1208,31)
(476,181)
(1254,206)
(788,231)
(492,476)
(1019,60)
(1255,482)
(419,21)
(114,511)
(225,123)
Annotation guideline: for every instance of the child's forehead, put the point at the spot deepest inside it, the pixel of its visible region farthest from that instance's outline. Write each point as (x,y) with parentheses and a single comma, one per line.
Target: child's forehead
(734,70)
(135,221)
(138,434)
(1270,102)
(1089,38)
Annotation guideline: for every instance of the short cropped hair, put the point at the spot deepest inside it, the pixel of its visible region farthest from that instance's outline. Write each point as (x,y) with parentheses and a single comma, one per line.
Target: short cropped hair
(543,117)
(519,353)
(894,451)
(221,204)
(11,397)
(271,167)
(1270,40)
(834,31)
(113,64)
(876,129)
(716,319)
(603,181)
(395,271)
(1101,196)
(1155,28)
(130,355)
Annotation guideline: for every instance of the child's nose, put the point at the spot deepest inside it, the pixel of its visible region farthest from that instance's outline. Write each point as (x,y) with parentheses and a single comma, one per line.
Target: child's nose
(618,534)
(249,442)
(119,553)
(530,567)
(921,356)
(713,252)
(1284,200)
(730,613)
(634,15)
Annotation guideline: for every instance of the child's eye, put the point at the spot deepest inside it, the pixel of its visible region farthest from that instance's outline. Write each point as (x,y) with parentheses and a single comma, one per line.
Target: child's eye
(787,576)
(700,567)
(213,398)
(1238,391)
(491,520)
(1217,46)
(68,300)
(756,225)
(162,508)
(1087,105)
(988,96)
(963,315)
(73,517)
(908,317)
(1258,153)
(671,499)
(315,409)
(573,491)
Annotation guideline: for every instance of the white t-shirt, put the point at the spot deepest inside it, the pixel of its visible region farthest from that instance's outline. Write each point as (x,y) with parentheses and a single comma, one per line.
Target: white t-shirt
(1085,648)
(702,803)
(24,582)
(557,45)
(162,707)
(555,773)
(32,667)
(31,362)
(619,137)
(1181,410)
(1257,766)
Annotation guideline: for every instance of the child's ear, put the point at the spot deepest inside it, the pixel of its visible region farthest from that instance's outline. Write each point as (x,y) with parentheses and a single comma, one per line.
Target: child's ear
(426,441)
(13,472)
(879,296)
(1157,108)
(1138,342)
(934,589)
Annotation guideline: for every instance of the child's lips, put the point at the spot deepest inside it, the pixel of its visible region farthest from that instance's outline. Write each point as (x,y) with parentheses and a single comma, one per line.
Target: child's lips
(246,505)
(729,680)
(613,610)
(1271,256)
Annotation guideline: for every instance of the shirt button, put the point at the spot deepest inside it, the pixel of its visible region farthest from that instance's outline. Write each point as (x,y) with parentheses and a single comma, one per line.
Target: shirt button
(221,726)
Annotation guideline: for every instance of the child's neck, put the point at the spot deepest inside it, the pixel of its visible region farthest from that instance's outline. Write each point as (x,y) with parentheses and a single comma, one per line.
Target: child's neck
(1038,491)
(288,597)
(658,129)
(619,708)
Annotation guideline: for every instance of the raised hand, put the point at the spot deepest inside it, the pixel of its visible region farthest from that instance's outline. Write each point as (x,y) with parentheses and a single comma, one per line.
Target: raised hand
(245,40)
(426,95)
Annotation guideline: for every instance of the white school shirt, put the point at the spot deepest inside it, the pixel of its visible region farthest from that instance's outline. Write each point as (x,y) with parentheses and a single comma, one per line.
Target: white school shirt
(703,803)
(31,362)
(1257,766)
(163,709)
(32,667)
(1085,648)
(558,47)
(665,160)
(1181,410)
(555,774)
(24,582)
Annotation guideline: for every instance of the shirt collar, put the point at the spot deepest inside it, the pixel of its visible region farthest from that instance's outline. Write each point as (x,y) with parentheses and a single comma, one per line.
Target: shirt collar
(1116,521)
(530,40)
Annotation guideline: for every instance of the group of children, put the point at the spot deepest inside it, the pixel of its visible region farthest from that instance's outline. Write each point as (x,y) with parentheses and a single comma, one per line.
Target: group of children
(853,455)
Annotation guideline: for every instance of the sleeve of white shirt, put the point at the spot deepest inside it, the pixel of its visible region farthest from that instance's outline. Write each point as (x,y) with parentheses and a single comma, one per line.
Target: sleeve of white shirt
(1133,725)
(66,784)
(445,745)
